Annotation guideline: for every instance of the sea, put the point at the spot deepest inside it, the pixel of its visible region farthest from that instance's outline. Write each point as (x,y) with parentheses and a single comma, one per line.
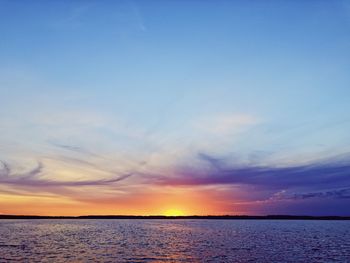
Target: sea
(177,240)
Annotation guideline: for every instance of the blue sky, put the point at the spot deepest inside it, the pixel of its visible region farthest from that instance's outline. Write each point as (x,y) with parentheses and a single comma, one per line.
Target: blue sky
(96,90)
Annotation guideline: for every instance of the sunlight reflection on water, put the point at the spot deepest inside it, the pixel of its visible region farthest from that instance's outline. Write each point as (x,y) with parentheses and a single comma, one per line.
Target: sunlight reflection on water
(174,241)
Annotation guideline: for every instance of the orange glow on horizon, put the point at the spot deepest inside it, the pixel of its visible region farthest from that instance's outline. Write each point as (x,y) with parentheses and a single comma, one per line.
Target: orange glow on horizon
(169,201)
(174,212)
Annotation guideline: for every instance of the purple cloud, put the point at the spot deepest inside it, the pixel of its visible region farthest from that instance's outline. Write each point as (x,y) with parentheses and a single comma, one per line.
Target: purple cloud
(326,178)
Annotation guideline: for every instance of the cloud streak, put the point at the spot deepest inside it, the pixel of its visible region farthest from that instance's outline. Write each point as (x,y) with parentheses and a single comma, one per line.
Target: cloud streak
(32,179)
(331,172)
(336,194)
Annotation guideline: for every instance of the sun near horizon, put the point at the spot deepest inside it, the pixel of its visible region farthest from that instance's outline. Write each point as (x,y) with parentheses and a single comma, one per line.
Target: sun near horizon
(174,212)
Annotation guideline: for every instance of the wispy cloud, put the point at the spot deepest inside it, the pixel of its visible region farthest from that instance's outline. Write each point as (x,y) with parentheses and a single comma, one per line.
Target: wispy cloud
(342,193)
(332,173)
(73,18)
(73,148)
(226,124)
(137,16)
(32,178)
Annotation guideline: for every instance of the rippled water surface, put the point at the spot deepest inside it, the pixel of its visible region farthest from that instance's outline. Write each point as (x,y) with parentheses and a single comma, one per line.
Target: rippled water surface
(174,241)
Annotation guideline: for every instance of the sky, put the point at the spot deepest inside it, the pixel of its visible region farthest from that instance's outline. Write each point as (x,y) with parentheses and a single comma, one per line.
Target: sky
(175,107)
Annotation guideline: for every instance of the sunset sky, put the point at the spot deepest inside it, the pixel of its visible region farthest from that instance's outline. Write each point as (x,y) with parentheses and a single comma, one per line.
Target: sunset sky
(175,107)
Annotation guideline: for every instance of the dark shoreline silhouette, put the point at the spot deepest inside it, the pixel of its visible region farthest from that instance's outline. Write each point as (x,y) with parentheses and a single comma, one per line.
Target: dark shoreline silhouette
(225,217)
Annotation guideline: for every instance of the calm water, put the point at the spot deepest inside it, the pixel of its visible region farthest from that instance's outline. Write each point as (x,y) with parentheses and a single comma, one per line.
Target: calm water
(174,241)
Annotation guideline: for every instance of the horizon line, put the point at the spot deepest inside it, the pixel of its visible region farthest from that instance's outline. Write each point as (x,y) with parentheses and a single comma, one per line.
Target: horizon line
(257,217)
